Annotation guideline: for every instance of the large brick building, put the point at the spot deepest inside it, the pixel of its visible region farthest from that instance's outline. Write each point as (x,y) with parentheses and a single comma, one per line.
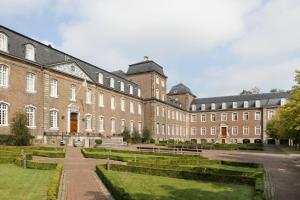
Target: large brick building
(65,96)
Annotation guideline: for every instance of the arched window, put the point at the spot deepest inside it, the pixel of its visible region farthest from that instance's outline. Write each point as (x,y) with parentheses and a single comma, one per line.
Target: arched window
(112,82)
(3,42)
(3,76)
(53,119)
(122,86)
(30,113)
(130,89)
(100,78)
(30,52)
(3,114)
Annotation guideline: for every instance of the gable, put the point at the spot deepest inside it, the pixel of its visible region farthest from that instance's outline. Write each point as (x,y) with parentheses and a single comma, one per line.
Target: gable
(72,69)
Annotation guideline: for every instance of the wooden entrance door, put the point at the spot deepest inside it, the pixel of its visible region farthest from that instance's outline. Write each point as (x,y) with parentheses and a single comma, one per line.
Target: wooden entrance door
(223,141)
(224,131)
(73,122)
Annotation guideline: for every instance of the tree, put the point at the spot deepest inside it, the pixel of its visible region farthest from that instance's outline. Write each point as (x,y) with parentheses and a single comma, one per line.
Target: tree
(136,137)
(126,135)
(254,90)
(19,130)
(274,90)
(146,136)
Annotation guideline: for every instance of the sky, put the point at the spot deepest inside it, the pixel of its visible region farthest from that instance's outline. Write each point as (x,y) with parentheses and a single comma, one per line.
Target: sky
(215,47)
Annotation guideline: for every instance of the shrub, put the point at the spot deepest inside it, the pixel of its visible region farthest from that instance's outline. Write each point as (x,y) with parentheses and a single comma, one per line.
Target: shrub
(152,141)
(126,135)
(146,136)
(50,154)
(5,139)
(53,187)
(19,130)
(98,141)
(136,137)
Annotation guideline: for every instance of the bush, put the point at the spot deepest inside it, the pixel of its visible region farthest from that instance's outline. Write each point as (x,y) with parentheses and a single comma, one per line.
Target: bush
(241,164)
(136,137)
(19,130)
(50,154)
(146,136)
(98,141)
(35,165)
(53,187)
(5,139)
(152,141)
(126,135)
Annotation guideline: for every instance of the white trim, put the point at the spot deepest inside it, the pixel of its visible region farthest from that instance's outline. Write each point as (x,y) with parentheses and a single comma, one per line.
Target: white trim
(5,102)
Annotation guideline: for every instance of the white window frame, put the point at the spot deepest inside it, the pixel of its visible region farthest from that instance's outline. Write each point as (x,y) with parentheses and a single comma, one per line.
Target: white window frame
(257,130)
(246,104)
(88,96)
(244,130)
(224,106)
(157,111)
(140,127)
(244,116)
(30,52)
(271,114)
(203,131)
(193,118)
(202,106)
(122,86)
(112,82)
(194,107)
(193,131)
(72,96)
(112,102)
(257,116)
(122,104)
(30,114)
(257,104)
(203,117)
(234,105)
(213,106)
(139,108)
(282,101)
(101,124)
(233,130)
(100,78)
(130,89)
(139,92)
(30,82)
(53,125)
(213,130)
(157,93)
(3,76)
(3,42)
(223,117)
(53,88)
(213,117)
(113,125)
(157,79)
(233,116)
(101,99)
(123,125)
(4,108)
(88,123)
(131,107)
(131,126)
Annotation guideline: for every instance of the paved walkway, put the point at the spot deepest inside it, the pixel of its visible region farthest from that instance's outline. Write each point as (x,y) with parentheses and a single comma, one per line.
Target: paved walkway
(80,181)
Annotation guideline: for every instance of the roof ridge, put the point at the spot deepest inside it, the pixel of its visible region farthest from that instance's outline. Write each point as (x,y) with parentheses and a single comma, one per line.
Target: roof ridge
(243,95)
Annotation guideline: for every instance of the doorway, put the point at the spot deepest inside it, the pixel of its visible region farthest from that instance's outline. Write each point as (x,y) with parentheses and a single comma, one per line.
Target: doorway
(223,131)
(223,141)
(73,123)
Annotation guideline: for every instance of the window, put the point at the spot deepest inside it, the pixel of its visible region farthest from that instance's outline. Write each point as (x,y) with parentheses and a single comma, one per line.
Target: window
(162,96)
(157,111)
(139,108)
(213,117)
(112,82)
(282,102)
(168,129)
(257,130)
(3,42)
(157,80)
(223,105)
(157,128)
(30,52)
(122,86)
(131,126)
(101,100)
(173,130)
(88,96)
(122,104)
(246,130)
(234,116)
(203,118)
(30,86)
(234,104)
(163,129)
(157,93)
(131,107)
(173,114)
(202,106)
(246,104)
(113,125)
(193,118)
(245,116)
(203,130)
(169,114)
(223,117)
(193,107)
(72,96)
(257,115)
(193,131)
(139,92)
(53,88)
(163,112)
(257,103)
(123,125)
(30,113)
(140,127)
(270,114)
(177,130)
(100,78)
(234,130)
(3,114)
(101,124)
(130,89)
(213,130)
(3,76)
(177,116)
(113,103)
(213,106)
(88,122)
(53,119)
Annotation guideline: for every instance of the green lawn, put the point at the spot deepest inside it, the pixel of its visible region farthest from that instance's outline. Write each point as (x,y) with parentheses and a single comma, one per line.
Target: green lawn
(142,187)
(27,184)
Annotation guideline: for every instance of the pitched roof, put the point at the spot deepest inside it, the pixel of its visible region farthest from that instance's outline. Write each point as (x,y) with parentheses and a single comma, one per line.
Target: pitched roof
(48,56)
(266,100)
(120,73)
(180,89)
(145,66)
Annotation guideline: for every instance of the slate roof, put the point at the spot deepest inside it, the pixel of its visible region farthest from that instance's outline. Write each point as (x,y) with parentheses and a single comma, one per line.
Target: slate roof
(180,89)
(266,100)
(48,56)
(120,73)
(145,66)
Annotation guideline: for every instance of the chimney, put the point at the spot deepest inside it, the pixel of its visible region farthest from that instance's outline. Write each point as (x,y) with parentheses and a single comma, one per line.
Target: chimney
(146,58)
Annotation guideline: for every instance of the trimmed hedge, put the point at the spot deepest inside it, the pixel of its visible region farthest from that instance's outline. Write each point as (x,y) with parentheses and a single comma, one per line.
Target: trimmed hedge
(241,164)
(7,159)
(53,187)
(36,165)
(50,154)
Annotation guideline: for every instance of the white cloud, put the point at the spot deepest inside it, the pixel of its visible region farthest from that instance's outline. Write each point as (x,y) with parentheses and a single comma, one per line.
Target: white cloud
(23,7)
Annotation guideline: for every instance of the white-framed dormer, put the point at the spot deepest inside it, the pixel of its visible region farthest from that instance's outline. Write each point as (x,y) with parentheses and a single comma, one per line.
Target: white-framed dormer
(246,104)
(100,78)
(257,103)
(122,86)
(130,89)
(223,105)
(213,106)
(112,82)
(282,101)
(30,52)
(234,104)
(193,107)
(202,106)
(3,42)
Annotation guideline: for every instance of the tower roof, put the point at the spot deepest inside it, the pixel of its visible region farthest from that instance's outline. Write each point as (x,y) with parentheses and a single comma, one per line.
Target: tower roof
(145,66)
(180,89)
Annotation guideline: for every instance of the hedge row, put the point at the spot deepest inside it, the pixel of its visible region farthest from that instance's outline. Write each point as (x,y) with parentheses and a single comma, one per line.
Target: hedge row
(241,164)
(103,156)
(53,187)
(50,154)
(35,165)
(7,159)
(117,192)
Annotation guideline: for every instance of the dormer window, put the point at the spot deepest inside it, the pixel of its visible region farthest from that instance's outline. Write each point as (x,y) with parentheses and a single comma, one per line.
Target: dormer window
(257,103)
(139,92)
(130,89)
(213,106)
(112,82)
(202,106)
(193,107)
(223,105)
(122,86)
(234,104)
(30,52)
(246,104)
(282,102)
(3,42)
(100,78)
